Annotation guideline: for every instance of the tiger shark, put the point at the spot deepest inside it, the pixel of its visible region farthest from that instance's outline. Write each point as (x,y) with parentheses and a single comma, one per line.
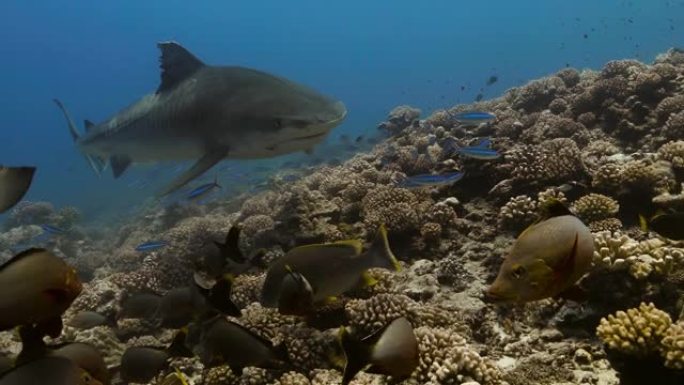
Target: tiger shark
(208,113)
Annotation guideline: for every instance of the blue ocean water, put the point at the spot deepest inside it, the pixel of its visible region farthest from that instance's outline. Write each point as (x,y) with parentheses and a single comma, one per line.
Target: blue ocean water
(98,57)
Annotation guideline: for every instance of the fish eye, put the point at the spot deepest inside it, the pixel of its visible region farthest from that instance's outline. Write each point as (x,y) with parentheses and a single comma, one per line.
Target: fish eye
(518,272)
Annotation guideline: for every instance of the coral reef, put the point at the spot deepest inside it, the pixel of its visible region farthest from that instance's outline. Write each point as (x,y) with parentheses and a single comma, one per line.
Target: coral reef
(607,143)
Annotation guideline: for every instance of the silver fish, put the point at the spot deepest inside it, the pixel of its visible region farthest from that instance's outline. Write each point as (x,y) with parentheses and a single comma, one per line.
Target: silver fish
(209,113)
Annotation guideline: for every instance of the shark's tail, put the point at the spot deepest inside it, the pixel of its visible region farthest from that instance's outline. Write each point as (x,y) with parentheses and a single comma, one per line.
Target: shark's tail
(96,163)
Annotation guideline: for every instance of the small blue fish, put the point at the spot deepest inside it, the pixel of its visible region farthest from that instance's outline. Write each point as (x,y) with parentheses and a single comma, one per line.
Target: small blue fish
(482,150)
(52,229)
(473,117)
(203,190)
(151,246)
(431,180)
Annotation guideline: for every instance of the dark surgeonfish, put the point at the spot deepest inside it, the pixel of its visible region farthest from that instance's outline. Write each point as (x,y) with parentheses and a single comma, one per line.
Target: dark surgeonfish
(296,294)
(141,364)
(222,342)
(218,112)
(88,320)
(180,306)
(546,260)
(330,269)
(48,371)
(85,356)
(37,287)
(392,351)
(667,224)
(431,180)
(14,183)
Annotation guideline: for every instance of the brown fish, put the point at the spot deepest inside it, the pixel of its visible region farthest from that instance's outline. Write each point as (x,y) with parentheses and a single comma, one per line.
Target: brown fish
(14,183)
(392,350)
(547,259)
(37,287)
(225,342)
(330,268)
(48,371)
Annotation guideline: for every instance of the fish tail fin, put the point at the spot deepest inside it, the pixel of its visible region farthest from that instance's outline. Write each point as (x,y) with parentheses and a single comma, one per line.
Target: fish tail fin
(643,223)
(380,253)
(96,163)
(178,348)
(357,355)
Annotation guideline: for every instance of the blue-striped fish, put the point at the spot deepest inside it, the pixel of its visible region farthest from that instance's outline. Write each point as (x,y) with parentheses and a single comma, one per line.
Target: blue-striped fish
(151,246)
(473,117)
(52,229)
(482,150)
(203,190)
(431,180)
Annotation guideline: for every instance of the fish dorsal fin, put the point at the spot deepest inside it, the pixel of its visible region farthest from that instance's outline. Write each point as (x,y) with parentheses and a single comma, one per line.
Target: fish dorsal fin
(21,255)
(88,125)
(355,243)
(177,64)
(554,208)
(257,337)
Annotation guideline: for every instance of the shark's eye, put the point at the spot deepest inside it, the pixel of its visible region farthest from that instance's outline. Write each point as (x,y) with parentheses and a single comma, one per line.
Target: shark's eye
(278,123)
(518,271)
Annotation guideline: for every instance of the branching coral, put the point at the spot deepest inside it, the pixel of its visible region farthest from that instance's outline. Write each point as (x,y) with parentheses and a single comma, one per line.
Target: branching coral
(672,346)
(395,207)
(673,152)
(518,213)
(619,251)
(445,359)
(638,331)
(594,207)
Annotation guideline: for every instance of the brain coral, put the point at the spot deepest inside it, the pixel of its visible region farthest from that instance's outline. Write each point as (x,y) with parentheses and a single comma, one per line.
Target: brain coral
(395,207)
(637,331)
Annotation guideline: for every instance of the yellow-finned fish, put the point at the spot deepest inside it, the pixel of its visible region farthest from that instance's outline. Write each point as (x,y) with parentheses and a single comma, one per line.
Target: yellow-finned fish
(667,224)
(330,268)
(37,287)
(392,350)
(548,258)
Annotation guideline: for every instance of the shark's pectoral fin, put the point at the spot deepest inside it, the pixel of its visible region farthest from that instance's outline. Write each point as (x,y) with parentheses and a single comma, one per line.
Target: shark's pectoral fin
(119,164)
(201,166)
(177,64)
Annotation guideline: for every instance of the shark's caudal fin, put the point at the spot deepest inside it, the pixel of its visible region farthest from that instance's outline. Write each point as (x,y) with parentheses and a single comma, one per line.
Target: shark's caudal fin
(96,163)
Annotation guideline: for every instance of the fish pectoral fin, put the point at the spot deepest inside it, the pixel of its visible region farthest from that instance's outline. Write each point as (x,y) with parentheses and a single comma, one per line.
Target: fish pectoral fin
(177,64)
(119,164)
(368,280)
(200,167)
(574,293)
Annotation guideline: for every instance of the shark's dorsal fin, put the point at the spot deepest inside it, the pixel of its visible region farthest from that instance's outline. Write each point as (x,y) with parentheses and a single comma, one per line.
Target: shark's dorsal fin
(176,63)
(88,125)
